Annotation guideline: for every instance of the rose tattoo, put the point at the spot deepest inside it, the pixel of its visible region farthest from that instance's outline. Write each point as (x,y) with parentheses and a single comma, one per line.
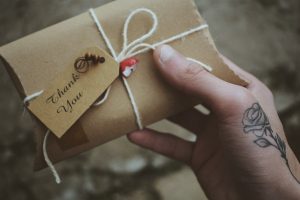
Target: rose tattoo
(255,121)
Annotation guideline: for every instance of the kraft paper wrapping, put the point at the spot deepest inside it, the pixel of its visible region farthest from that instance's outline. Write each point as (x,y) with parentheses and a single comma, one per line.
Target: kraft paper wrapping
(34,61)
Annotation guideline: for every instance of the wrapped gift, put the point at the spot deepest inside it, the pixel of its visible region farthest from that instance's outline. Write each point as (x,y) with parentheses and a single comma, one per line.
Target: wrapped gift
(35,61)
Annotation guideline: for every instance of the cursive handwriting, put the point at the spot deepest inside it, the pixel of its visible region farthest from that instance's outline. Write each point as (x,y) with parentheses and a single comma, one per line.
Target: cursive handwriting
(68,107)
(54,98)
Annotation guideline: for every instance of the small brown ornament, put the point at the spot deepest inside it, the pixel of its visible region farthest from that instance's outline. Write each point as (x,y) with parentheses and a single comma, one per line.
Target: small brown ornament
(83,63)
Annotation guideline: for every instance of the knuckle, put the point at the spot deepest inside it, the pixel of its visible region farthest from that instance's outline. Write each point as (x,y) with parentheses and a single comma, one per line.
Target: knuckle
(241,96)
(235,106)
(263,89)
(268,92)
(192,72)
(237,100)
(190,75)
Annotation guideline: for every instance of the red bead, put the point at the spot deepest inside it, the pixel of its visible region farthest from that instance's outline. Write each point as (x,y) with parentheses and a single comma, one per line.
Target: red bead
(128,64)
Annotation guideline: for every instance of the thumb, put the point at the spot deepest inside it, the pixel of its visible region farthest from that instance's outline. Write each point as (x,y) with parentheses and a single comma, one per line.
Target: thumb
(193,79)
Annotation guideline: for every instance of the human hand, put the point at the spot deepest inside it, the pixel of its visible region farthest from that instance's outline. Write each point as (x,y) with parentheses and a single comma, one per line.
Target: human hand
(241,150)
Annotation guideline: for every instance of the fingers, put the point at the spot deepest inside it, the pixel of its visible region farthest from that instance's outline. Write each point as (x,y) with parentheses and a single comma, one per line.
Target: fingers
(193,79)
(165,144)
(192,120)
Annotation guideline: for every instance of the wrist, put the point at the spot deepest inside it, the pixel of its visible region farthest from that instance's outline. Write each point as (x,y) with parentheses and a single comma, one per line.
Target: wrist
(280,186)
(285,188)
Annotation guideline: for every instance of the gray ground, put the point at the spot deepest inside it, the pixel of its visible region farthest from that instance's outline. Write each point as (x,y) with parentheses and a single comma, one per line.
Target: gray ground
(262,36)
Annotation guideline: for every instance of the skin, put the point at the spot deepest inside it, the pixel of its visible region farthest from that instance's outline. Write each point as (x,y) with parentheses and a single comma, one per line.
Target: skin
(225,160)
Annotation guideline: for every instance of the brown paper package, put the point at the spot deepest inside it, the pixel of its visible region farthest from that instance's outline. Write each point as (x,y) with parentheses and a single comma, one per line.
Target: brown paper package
(34,61)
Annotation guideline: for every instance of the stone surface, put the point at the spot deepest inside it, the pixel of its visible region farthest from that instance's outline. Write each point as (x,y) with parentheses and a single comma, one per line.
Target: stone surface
(262,36)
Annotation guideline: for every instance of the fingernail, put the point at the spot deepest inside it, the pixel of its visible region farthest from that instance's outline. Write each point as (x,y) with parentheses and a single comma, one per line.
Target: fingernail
(166,53)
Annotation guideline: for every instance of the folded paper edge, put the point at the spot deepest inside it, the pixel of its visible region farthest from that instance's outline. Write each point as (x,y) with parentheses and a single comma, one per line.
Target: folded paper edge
(13,76)
(211,41)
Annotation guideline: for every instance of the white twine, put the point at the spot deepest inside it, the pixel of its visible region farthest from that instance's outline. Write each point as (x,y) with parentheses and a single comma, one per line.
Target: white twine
(48,161)
(46,157)
(205,66)
(32,96)
(29,98)
(128,50)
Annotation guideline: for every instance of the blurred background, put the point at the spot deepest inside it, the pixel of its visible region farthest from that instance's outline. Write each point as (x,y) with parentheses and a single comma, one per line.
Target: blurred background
(262,36)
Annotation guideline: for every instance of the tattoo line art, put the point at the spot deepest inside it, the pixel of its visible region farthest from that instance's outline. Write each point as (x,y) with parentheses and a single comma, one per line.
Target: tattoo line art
(255,121)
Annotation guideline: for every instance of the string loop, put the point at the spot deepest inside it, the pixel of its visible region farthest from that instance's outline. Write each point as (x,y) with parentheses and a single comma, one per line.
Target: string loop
(144,37)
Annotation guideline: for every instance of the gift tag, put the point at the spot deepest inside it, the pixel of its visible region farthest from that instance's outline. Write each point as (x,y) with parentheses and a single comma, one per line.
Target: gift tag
(74,90)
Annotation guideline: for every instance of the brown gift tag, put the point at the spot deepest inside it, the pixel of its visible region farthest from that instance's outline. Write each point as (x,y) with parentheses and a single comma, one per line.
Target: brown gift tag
(32,63)
(74,90)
